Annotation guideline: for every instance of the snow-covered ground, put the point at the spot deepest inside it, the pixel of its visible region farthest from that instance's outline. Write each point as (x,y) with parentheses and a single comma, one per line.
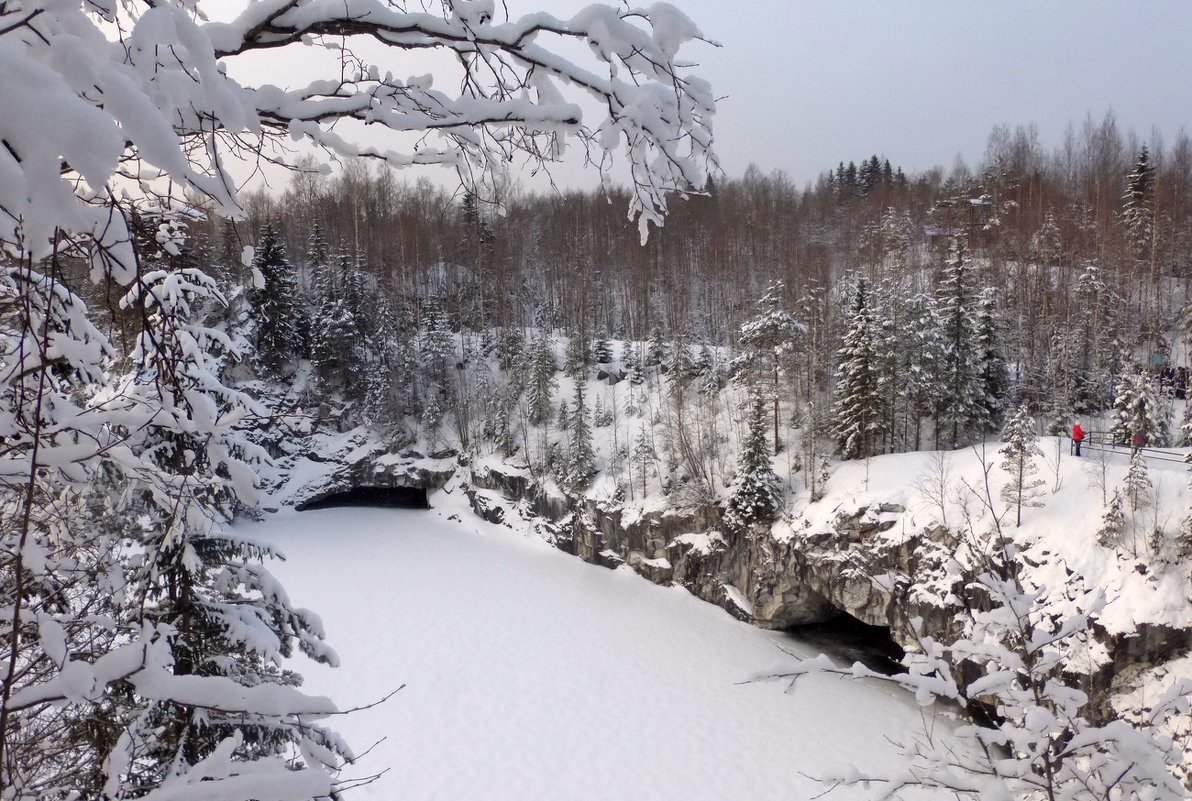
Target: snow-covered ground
(532,675)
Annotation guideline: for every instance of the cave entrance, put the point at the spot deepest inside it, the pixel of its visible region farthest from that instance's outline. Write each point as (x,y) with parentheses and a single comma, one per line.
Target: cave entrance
(850,640)
(386,497)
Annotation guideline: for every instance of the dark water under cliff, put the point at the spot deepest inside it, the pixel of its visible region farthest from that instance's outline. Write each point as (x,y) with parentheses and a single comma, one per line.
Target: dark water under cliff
(848,640)
(382,497)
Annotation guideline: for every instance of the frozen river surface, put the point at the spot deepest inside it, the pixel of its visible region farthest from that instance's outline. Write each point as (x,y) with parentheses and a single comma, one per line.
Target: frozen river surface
(532,675)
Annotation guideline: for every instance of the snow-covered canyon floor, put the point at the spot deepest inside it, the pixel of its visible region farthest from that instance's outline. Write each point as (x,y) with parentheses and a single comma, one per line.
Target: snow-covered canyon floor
(532,675)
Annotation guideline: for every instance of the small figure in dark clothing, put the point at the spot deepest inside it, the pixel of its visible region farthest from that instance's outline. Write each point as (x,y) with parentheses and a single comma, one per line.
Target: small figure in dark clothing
(1077,437)
(1181,383)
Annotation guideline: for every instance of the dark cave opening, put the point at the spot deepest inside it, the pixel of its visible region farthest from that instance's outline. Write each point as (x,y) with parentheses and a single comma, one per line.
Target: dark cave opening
(849,640)
(385,497)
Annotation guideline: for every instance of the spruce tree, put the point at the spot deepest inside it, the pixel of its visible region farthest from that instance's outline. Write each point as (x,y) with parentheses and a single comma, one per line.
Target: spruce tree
(1137,485)
(633,365)
(1018,461)
(643,456)
(581,461)
(1138,204)
(335,350)
(578,355)
(318,265)
(859,402)
(602,350)
(959,412)
(1061,381)
(677,363)
(994,375)
(755,495)
(920,382)
(280,327)
(1137,409)
(436,345)
(1113,522)
(542,384)
(656,347)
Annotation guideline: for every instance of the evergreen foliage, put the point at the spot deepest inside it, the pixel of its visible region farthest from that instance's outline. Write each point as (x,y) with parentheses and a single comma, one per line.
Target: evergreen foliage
(920,368)
(1138,204)
(1113,522)
(859,402)
(1136,409)
(994,374)
(643,457)
(1137,484)
(1018,456)
(755,496)
(960,414)
(581,459)
(602,350)
(768,343)
(436,346)
(280,323)
(542,382)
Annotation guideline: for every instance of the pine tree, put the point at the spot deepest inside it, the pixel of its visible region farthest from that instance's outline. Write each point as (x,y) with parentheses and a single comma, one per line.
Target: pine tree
(318,265)
(643,457)
(280,330)
(578,355)
(1046,244)
(436,345)
(920,384)
(602,350)
(633,365)
(335,346)
(564,418)
(1138,204)
(994,375)
(1137,485)
(755,496)
(1113,522)
(510,346)
(1018,461)
(656,347)
(1136,409)
(542,383)
(1061,380)
(581,461)
(859,403)
(959,413)
(768,341)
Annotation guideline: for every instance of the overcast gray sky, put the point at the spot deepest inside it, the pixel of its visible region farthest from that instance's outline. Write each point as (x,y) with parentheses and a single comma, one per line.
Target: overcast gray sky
(809,83)
(813,82)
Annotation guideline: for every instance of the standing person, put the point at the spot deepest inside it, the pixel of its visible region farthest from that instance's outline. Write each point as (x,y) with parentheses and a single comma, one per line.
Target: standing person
(1077,437)
(1139,441)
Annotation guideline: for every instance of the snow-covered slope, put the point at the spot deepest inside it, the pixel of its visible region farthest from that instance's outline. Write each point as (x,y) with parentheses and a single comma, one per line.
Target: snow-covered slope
(531,675)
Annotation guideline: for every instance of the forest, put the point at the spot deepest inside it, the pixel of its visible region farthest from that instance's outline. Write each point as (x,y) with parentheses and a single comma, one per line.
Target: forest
(1038,278)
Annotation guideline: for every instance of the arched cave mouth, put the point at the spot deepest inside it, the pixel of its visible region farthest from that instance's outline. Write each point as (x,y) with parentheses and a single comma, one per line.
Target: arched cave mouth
(384,497)
(849,640)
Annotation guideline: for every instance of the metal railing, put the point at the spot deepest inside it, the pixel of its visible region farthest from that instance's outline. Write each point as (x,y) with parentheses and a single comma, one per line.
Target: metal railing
(1100,441)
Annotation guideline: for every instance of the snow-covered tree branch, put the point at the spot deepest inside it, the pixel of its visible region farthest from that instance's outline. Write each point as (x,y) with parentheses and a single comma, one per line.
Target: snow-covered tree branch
(104,96)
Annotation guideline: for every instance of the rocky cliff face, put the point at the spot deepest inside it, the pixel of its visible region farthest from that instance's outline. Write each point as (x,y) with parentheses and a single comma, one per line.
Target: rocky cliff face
(859,563)
(766,581)
(779,580)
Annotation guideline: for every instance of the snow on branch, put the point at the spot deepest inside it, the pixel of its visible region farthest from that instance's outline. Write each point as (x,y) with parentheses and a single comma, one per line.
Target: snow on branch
(101,96)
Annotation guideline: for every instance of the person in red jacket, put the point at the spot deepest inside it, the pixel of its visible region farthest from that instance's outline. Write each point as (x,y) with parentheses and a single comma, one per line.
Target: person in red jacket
(1077,437)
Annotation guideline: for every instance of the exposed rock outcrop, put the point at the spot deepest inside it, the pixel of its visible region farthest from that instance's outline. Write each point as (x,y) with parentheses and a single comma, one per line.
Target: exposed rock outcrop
(806,576)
